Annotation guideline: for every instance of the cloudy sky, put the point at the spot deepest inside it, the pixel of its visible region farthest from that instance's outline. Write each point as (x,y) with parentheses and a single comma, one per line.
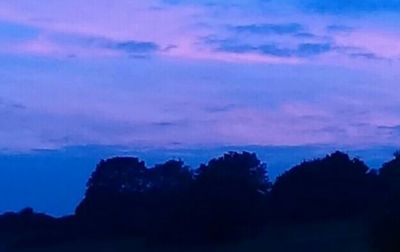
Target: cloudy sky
(189,78)
(172,73)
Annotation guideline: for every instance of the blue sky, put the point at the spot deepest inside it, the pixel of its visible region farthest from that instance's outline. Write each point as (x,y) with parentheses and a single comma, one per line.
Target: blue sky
(198,74)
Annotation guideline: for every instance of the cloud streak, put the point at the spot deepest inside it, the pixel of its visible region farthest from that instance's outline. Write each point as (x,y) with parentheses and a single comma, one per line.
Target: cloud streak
(352,6)
(280,29)
(303,50)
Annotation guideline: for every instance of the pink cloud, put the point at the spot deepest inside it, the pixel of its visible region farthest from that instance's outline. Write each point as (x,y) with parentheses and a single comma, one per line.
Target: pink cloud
(127,20)
(383,44)
(43,46)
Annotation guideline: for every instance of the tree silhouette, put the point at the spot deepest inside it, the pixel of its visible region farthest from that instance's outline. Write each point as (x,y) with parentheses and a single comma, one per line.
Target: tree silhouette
(390,173)
(166,202)
(169,190)
(115,196)
(237,171)
(172,175)
(386,229)
(333,187)
(230,196)
(118,175)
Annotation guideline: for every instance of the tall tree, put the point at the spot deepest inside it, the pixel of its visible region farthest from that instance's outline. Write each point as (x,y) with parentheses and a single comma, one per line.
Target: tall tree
(230,196)
(333,187)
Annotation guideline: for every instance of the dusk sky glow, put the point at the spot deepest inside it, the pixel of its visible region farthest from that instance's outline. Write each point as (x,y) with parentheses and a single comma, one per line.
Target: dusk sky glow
(174,74)
(198,73)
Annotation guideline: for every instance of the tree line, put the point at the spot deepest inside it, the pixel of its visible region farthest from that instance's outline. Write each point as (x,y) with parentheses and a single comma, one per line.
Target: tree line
(230,197)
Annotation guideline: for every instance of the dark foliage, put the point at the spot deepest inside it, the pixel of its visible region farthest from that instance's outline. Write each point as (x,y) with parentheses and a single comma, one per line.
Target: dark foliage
(28,229)
(114,199)
(386,227)
(224,198)
(390,173)
(329,188)
(170,185)
(385,232)
(25,219)
(229,198)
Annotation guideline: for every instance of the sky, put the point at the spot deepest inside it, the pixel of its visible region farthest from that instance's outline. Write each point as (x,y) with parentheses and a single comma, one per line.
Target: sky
(167,75)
